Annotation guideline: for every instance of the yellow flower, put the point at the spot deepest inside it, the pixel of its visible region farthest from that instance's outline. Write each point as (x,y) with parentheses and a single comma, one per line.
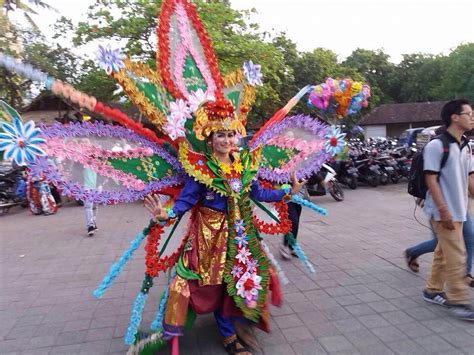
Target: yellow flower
(238,168)
(226,169)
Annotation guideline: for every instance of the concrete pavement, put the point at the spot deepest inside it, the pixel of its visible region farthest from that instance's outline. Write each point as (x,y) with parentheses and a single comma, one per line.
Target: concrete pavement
(362,299)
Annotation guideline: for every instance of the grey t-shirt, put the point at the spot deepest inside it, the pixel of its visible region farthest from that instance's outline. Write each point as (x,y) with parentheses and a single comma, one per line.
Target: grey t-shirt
(454,177)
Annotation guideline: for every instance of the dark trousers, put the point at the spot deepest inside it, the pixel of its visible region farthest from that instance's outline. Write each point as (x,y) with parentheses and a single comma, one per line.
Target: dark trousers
(294,213)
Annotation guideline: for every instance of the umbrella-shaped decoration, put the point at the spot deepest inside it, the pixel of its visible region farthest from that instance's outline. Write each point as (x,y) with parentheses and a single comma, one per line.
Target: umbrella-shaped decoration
(20,142)
(334,143)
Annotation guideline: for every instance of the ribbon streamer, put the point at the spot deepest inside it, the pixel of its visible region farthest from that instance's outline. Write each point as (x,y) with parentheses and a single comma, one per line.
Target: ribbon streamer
(301,201)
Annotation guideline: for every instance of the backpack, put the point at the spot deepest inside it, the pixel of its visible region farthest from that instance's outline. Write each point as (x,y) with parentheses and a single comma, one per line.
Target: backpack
(416,179)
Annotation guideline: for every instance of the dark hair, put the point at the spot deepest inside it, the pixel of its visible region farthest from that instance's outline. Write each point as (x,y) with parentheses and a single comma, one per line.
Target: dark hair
(453,107)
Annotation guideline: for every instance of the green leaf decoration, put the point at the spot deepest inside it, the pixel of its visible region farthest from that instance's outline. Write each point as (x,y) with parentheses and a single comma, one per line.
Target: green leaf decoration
(154,93)
(274,157)
(145,169)
(8,113)
(234,97)
(192,76)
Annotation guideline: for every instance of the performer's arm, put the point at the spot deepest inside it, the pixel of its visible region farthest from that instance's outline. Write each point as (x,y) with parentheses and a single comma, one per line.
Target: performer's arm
(270,195)
(266,195)
(188,197)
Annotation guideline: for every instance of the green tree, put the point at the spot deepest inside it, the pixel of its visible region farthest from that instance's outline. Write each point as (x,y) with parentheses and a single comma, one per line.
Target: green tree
(376,70)
(33,48)
(418,75)
(457,75)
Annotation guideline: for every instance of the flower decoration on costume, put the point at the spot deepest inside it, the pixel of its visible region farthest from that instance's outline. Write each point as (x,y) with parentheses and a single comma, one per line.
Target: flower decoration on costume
(197,98)
(252,73)
(174,127)
(238,168)
(247,288)
(241,240)
(226,168)
(235,184)
(180,110)
(21,142)
(239,226)
(252,265)
(243,255)
(110,59)
(334,143)
(237,271)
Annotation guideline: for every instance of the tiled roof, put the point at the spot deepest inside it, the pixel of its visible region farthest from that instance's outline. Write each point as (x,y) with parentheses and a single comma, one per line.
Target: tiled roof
(404,113)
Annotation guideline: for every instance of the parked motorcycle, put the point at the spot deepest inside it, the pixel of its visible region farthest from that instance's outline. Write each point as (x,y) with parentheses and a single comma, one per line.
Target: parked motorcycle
(325,181)
(347,173)
(388,165)
(368,171)
(12,187)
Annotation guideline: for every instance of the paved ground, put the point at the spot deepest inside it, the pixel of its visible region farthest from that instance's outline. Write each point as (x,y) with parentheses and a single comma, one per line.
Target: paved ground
(361,299)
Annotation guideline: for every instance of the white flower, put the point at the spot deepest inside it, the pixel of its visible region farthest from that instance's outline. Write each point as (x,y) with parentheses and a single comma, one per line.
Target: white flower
(180,110)
(110,59)
(174,127)
(334,143)
(252,73)
(243,255)
(20,142)
(197,98)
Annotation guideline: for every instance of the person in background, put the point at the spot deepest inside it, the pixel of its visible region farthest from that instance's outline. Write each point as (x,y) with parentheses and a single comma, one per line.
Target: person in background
(429,246)
(90,208)
(446,205)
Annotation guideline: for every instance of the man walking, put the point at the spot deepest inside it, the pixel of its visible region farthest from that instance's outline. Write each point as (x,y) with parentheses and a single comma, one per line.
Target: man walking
(446,205)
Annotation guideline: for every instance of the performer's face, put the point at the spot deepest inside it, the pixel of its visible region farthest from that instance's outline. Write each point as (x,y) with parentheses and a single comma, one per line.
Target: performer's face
(222,142)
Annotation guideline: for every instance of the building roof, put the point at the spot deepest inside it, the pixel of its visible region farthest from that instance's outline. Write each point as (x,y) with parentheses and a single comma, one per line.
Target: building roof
(404,113)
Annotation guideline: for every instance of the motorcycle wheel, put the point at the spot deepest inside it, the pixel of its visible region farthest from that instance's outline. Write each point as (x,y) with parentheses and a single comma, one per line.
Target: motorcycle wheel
(352,182)
(336,191)
(384,179)
(395,178)
(373,180)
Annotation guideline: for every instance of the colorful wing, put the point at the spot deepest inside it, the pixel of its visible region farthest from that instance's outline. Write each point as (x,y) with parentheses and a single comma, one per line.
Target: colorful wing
(106,164)
(294,144)
(300,143)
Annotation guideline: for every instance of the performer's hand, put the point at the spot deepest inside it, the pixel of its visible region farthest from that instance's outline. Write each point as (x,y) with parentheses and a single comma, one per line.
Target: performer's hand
(154,206)
(295,184)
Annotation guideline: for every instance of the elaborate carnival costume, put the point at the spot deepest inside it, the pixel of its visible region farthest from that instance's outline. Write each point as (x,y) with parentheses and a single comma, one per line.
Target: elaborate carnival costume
(222,263)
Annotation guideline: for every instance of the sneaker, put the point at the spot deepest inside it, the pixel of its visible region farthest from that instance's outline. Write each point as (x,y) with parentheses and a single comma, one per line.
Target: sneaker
(462,311)
(90,231)
(470,280)
(285,252)
(438,298)
(96,228)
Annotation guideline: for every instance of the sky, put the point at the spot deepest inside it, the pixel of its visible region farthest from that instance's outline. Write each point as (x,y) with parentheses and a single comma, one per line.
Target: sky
(398,27)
